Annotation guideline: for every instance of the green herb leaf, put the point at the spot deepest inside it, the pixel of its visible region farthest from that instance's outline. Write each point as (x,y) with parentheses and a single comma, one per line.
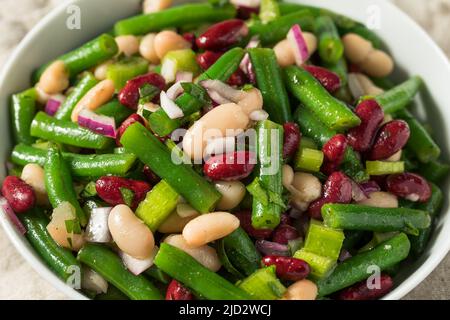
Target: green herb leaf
(197,92)
(147,92)
(127,196)
(73,226)
(276,198)
(258,192)
(89,190)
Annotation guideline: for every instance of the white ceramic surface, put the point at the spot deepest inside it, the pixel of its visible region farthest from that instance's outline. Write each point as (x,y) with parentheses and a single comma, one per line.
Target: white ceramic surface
(412,49)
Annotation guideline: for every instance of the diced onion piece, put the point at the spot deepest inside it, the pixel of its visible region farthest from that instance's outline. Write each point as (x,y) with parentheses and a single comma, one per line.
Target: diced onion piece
(357,192)
(12,216)
(298,44)
(220,145)
(217,98)
(224,90)
(97,229)
(137,266)
(184,210)
(246,64)
(369,187)
(169,70)
(258,115)
(269,248)
(148,106)
(184,76)
(246,3)
(355,86)
(174,91)
(53,104)
(173,111)
(92,281)
(98,123)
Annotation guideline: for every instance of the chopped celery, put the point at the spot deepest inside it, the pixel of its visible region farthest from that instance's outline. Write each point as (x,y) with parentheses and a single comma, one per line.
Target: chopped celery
(269,10)
(125,69)
(157,205)
(308,160)
(178,60)
(379,168)
(323,240)
(263,284)
(321,266)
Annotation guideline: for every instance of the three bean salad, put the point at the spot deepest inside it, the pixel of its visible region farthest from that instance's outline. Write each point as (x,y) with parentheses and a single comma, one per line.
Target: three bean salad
(244,150)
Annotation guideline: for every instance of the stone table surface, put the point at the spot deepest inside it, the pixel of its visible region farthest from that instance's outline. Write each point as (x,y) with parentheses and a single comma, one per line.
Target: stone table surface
(19,281)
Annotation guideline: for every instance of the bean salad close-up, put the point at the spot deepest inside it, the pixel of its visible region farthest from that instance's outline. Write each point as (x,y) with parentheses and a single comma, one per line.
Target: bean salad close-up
(225,150)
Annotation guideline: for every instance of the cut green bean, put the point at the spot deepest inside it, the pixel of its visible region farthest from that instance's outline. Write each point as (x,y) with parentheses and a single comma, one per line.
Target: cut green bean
(22,110)
(330,46)
(155,273)
(380,168)
(435,171)
(332,112)
(420,141)
(359,217)
(400,96)
(84,85)
(85,57)
(95,165)
(174,17)
(59,185)
(359,267)
(224,67)
(270,158)
(207,284)
(109,266)
(67,132)
(270,82)
(340,68)
(195,189)
(308,160)
(115,110)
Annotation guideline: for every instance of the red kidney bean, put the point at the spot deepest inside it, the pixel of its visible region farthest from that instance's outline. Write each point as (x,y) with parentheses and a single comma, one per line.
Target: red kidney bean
(353,68)
(150,175)
(288,268)
(360,291)
(207,58)
(245,13)
(230,166)
(190,37)
(285,219)
(337,189)
(327,78)
(176,291)
(283,233)
(391,138)
(371,115)
(128,122)
(410,186)
(110,189)
(18,193)
(129,95)
(291,139)
(245,218)
(334,151)
(238,78)
(223,35)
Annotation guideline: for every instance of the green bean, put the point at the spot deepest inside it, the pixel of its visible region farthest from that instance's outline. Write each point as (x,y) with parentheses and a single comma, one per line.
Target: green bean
(420,141)
(85,57)
(432,206)
(400,96)
(359,217)
(84,85)
(109,266)
(195,189)
(22,110)
(207,284)
(224,67)
(112,294)
(353,238)
(276,30)
(67,132)
(59,185)
(332,112)
(156,273)
(270,82)
(435,171)
(174,17)
(95,165)
(330,46)
(115,110)
(59,259)
(340,68)
(357,268)
(312,128)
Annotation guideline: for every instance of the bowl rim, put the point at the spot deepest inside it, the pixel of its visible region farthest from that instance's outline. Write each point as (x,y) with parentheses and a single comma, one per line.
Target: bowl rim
(26,251)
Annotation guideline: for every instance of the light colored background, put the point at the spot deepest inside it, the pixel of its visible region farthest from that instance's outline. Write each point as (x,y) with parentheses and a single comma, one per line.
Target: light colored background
(19,281)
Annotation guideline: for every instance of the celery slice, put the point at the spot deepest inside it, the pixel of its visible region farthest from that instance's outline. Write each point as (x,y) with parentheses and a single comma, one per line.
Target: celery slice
(324,241)
(379,168)
(263,285)
(308,159)
(321,266)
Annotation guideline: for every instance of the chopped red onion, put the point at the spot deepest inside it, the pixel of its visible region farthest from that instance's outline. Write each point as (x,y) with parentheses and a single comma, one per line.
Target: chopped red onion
(174,91)
(220,145)
(98,123)
(217,98)
(355,86)
(173,111)
(53,104)
(12,216)
(92,281)
(224,90)
(246,3)
(357,192)
(298,44)
(97,229)
(258,115)
(269,248)
(137,266)
(246,64)
(369,187)
(184,76)
(344,255)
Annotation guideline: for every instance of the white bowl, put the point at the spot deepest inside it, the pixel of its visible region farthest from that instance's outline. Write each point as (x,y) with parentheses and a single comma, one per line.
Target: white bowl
(412,49)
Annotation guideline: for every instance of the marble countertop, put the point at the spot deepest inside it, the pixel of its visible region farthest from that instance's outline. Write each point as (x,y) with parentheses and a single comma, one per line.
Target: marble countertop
(19,281)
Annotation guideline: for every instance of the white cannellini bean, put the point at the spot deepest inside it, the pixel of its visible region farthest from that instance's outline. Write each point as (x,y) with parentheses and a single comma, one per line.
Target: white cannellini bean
(288,176)
(301,290)
(147,48)
(128,45)
(184,210)
(41,96)
(33,174)
(166,41)
(259,115)
(305,188)
(205,254)
(100,71)
(130,234)
(55,78)
(94,98)
(233,192)
(284,53)
(209,227)
(149,6)
(57,227)
(174,223)
(380,199)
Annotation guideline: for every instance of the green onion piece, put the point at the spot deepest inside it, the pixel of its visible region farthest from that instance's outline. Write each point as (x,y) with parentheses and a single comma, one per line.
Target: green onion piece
(89,190)
(321,266)
(379,168)
(125,69)
(263,284)
(157,205)
(308,160)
